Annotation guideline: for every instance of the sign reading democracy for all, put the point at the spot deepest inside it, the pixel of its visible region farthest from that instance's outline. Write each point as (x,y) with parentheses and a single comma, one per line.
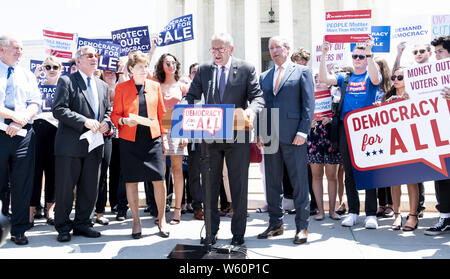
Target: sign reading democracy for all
(348,26)
(426,78)
(337,56)
(109,53)
(382,39)
(412,30)
(178,30)
(135,38)
(323,104)
(203,121)
(60,44)
(47,96)
(440,26)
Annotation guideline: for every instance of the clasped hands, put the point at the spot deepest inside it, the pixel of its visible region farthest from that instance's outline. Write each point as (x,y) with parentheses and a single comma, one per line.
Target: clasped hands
(19,119)
(96,127)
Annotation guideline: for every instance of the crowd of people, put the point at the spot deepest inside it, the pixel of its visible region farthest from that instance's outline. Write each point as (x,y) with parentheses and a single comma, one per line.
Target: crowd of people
(45,142)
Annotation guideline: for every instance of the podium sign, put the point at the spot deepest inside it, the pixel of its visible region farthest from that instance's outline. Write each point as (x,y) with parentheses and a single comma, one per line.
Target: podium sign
(202,121)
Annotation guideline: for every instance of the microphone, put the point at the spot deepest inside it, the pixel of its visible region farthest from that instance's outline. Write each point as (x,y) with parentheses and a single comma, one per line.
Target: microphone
(212,84)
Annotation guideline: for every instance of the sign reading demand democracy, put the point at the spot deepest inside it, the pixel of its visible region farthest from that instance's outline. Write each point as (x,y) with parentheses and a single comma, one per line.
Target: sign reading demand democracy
(134,38)
(412,30)
(178,30)
(348,26)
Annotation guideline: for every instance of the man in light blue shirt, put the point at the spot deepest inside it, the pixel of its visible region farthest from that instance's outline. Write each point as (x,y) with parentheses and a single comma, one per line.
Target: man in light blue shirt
(20,99)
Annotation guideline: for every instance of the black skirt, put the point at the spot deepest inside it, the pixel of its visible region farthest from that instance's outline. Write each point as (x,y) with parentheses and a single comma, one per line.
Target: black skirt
(142,160)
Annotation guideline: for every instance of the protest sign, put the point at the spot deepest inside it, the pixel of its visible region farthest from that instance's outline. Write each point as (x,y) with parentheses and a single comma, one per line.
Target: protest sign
(36,63)
(47,96)
(109,52)
(411,29)
(382,39)
(60,44)
(440,26)
(408,138)
(323,104)
(178,30)
(337,56)
(348,26)
(134,38)
(426,78)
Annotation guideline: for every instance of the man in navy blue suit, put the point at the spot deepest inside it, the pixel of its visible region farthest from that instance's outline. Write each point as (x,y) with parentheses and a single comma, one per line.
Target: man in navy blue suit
(288,87)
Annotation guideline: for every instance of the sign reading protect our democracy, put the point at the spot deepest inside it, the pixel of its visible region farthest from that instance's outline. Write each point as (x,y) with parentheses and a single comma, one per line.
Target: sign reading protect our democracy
(348,26)
(134,38)
(440,26)
(404,141)
(60,44)
(109,53)
(382,38)
(177,31)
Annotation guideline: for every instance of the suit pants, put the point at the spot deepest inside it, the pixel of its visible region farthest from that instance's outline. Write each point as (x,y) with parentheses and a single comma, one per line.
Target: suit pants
(17,167)
(237,157)
(294,157)
(102,196)
(84,172)
(195,187)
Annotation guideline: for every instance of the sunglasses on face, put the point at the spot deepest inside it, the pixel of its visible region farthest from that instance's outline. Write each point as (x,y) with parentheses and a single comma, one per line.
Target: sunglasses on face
(54,67)
(399,77)
(92,55)
(422,51)
(361,57)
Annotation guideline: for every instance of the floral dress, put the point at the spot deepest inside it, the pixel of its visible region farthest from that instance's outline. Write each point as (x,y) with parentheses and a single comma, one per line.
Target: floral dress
(320,148)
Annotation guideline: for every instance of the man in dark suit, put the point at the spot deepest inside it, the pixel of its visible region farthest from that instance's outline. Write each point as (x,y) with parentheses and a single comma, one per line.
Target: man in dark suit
(236,84)
(288,88)
(81,104)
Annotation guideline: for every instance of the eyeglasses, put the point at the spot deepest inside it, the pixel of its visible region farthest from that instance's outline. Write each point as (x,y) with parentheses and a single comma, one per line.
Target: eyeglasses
(361,57)
(54,67)
(91,55)
(399,77)
(220,50)
(422,51)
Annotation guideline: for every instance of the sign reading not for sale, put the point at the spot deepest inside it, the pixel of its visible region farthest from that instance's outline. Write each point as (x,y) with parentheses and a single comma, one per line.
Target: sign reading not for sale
(401,142)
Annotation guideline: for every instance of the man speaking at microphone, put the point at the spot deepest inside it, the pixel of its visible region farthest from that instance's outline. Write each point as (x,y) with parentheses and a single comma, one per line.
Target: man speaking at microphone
(237,84)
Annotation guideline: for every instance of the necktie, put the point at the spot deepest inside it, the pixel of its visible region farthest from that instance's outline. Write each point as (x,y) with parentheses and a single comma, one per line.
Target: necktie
(9,92)
(94,100)
(222,83)
(277,83)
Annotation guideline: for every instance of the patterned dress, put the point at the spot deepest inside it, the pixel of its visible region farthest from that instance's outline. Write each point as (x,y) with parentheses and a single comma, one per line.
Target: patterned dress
(320,148)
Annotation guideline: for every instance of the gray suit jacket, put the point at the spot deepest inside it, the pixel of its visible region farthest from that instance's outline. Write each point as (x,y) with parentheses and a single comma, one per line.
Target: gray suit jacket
(72,107)
(295,101)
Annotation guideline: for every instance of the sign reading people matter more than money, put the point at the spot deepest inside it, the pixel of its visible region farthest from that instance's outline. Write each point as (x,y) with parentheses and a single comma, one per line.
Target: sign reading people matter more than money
(382,39)
(177,31)
(422,79)
(348,26)
(60,44)
(109,53)
(203,121)
(134,38)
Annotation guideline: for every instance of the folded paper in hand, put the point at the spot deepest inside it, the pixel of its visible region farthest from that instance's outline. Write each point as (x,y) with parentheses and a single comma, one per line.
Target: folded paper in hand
(22,132)
(141,120)
(94,139)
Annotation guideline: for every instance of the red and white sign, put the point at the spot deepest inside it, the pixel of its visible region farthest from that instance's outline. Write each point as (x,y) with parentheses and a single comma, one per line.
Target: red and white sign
(426,78)
(60,44)
(348,26)
(401,133)
(202,119)
(323,104)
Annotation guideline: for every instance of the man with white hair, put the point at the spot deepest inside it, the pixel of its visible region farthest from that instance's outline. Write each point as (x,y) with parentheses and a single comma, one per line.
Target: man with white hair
(81,104)
(20,99)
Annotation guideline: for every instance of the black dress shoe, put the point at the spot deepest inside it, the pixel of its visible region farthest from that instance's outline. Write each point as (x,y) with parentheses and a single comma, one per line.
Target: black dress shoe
(87,232)
(121,215)
(213,239)
(271,231)
(19,239)
(301,237)
(64,237)
(237,240)
(136,235)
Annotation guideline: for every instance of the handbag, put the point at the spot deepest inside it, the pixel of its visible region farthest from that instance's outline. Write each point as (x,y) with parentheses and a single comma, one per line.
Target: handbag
(255,154)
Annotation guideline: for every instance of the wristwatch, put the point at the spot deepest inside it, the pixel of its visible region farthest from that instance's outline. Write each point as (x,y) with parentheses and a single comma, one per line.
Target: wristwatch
(369,55)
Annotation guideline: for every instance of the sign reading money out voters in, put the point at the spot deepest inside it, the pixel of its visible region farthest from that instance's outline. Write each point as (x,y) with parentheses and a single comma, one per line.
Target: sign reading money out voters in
(440,26)
(348,26)
(404,141)
(337,56)
(382,39)
(203,121)
(134,38)
(177,31)
(109,52)
(60,44)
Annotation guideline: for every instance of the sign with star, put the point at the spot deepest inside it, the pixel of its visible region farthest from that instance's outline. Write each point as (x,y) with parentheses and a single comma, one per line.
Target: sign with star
(400,142)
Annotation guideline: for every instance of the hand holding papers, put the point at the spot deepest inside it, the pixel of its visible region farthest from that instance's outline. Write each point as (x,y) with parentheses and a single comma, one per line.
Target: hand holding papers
(94,139)
(141,120)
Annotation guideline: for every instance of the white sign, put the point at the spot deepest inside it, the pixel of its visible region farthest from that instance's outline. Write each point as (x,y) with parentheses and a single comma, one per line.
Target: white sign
(411,29)
(440,26)
(427,78)
(337,56)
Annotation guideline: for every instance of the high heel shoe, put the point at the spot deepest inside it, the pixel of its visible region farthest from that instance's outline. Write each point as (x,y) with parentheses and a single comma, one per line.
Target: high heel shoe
(136,235)
(397,227)
(163,234)
(175,221)
(409,228)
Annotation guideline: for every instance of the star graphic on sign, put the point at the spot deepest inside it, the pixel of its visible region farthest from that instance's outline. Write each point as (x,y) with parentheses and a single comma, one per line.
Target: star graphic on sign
(368,153)
(374,152)
(328,15)
(381,151)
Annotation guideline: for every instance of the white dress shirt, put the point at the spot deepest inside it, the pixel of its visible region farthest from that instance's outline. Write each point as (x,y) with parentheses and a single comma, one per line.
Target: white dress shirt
(94,90)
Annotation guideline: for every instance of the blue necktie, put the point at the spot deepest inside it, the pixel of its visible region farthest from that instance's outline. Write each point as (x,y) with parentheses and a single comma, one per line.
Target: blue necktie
(9,92)
(222,83)
(94,100)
